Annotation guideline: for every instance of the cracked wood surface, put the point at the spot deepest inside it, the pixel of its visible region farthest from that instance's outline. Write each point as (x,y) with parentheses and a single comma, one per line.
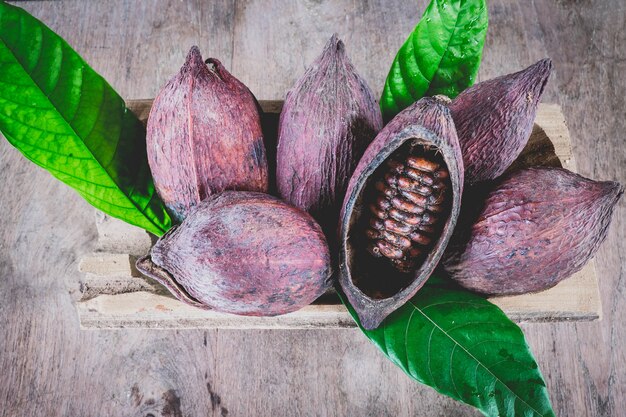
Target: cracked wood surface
(51,367)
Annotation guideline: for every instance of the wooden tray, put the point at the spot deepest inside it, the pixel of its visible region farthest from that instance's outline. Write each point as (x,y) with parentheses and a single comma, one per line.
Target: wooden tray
(113,294)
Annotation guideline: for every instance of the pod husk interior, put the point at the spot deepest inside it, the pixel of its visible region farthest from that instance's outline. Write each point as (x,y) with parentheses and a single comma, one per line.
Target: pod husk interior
(427,123)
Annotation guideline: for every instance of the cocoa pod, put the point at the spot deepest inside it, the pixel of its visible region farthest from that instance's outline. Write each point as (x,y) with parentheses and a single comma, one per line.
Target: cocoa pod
(494,120)
(403,199)
(204,136)
(328,119)
(535,228)
(243,253)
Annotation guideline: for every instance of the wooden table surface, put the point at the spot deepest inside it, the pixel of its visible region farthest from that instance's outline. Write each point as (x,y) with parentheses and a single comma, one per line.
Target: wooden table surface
(50,367)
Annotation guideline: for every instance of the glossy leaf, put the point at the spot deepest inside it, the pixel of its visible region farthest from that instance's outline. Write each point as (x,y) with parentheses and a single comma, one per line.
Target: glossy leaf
(66,118)
(440,56)
(466,348)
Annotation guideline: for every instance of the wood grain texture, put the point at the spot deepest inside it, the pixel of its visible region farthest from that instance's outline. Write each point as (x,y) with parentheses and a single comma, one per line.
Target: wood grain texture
(51,367)
(130,300)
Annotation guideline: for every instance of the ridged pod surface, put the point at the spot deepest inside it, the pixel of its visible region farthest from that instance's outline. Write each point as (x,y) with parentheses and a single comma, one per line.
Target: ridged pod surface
(536,227)
(494,120)
(328,119)
(204,136)
(243,253)
(422,135)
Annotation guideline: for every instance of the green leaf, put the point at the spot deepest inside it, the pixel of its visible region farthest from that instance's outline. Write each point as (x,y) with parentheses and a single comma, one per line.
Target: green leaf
(466,348)
(440,56)
(66,118)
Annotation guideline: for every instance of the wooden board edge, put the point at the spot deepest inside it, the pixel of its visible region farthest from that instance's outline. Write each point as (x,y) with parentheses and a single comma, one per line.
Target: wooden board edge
(551,120)
(148,310)
(141,107)
(578,298)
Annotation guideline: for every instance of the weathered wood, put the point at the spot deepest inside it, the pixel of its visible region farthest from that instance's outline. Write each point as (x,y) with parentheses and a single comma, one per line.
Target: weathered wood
(144,309)
(576,298)
(52,368)
(104,264)
(119,307)
(121,302)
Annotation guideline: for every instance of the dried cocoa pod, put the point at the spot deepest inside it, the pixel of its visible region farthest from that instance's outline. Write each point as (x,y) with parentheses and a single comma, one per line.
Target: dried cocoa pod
(536,227)
(494,120)
(243,253)
(328,119)
(403,199)
(204,136)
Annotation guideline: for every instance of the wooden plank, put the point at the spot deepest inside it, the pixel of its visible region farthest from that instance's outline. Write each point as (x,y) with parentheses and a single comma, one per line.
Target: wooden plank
(115,235)
(92,286)
(124,302)
(576,298)
(147,310)
(141,308)
(101,263)
(141,107)
(551,123)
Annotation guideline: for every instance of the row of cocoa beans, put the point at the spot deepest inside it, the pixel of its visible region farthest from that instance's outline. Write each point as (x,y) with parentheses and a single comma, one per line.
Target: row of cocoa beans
(377,206)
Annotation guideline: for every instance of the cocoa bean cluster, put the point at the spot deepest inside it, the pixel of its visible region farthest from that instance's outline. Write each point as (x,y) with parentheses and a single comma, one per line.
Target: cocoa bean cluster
(405,216)
(378,207)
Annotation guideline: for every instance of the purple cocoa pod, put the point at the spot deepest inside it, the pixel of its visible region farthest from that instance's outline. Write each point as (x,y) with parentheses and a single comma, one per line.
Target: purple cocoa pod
(328,119)
(494,120)
(537,227)
(204,136)
(400,210)
(243,253)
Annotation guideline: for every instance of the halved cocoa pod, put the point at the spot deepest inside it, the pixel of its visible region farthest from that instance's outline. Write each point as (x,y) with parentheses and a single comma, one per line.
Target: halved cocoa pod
(243,253)
(400,210)
(494,120)
(535,228)
(204,136)
(328,119)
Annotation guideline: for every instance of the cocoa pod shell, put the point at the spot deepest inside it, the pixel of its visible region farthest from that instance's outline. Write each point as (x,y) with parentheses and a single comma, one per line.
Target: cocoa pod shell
(243,253)
(204,136)
(494,120)
(374,288)
(328,119)
(535,228)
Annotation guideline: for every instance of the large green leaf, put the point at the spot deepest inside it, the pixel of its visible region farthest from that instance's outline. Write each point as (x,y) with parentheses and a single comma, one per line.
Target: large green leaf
(66,118)
(440,56)
(466,348)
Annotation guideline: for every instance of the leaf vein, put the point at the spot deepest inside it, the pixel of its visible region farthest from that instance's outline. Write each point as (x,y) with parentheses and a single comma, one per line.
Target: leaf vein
(472,356)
